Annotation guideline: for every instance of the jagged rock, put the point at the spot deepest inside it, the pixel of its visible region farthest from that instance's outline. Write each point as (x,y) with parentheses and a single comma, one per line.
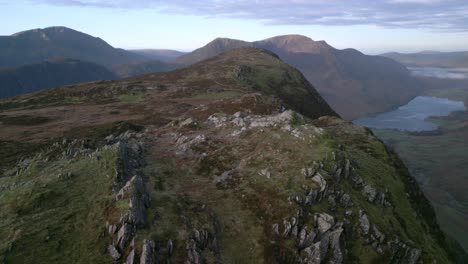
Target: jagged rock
(138,201)
(306,239)
(184,144)
(265,173)
(370,192)
(412,256)
(131,257)
(347,169)
(149,252)
(313,197)
(125,235)
(345,200)
(323,222)
(193,255)
(336,245)
(113,252)
(364,223)
(356,180)
(313,254)
(275,229)
(379,236)
(224,178)
(170,248)
(130,157)
(189,122)
(287,228)
(321,182)
(112,229)
(338,173)
(308,172)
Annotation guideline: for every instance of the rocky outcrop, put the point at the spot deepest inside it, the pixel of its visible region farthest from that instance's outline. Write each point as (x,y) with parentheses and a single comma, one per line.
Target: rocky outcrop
(149,253)
(129,187)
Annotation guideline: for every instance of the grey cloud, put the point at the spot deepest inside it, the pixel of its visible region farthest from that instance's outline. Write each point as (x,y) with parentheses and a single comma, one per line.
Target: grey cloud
(435,15)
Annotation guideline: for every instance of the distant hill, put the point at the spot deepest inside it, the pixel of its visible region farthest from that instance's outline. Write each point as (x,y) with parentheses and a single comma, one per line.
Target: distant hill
(216,47)
(142,67)
(38,45)
(432,59)
(159,54)
(34,77)
(354,84)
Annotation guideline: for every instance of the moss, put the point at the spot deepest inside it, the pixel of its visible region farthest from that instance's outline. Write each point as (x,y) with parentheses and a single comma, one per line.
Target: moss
(23,120)
(50,219)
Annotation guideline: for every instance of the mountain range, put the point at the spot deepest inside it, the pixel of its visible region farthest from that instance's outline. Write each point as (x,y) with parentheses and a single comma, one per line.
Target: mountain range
(235,159)
(432,59)
(353,83)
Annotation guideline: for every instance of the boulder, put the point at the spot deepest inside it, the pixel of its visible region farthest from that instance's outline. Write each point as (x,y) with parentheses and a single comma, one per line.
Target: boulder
(320,181)
(323,222)
(364,223)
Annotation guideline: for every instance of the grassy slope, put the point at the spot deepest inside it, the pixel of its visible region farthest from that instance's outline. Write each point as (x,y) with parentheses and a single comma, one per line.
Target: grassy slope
(64,220)
(439,164)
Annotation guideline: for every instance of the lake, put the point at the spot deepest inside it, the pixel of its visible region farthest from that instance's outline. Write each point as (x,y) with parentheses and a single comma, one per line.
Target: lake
(412,116)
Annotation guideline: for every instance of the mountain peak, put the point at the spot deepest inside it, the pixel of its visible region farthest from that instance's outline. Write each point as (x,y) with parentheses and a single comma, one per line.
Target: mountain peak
(297,44)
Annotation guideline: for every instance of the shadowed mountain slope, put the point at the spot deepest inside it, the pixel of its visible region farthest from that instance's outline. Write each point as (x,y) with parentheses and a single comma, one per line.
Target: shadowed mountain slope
(60,72)
(354,84)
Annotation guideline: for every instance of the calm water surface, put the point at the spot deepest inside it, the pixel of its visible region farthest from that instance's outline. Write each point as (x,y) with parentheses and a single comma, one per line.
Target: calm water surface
(412,116)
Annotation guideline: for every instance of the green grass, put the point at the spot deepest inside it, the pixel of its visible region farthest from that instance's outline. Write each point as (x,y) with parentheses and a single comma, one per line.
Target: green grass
(56,220)
(216,95)
(131,98)
(23,120)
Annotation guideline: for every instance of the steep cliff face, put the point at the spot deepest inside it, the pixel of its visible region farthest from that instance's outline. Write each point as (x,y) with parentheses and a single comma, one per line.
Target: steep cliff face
(234,160)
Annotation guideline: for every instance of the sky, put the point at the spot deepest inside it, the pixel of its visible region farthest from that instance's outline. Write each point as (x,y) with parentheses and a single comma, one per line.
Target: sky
(371,26)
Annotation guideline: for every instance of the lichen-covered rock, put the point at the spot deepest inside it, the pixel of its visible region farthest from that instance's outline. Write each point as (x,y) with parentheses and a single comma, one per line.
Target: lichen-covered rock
(320,181)
(148,252)
(125,235)
(364,223)
(136,192)
(113,252)
(131,257)
(324,222)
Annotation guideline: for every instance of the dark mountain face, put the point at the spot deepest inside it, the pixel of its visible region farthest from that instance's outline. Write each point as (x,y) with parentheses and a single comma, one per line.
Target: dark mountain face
(34,77)
(200,164)
(159,54)
(353,84)
(432,59)
(37,45)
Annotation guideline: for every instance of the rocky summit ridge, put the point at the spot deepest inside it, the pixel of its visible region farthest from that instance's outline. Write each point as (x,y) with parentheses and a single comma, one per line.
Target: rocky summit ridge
(236,159)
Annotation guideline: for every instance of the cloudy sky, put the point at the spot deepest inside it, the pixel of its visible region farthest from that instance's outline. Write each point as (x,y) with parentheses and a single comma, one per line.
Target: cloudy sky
(372,26)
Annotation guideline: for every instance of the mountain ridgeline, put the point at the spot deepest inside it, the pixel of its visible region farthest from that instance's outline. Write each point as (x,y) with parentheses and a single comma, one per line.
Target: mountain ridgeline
(235,159)
(38,45)
(353,84)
